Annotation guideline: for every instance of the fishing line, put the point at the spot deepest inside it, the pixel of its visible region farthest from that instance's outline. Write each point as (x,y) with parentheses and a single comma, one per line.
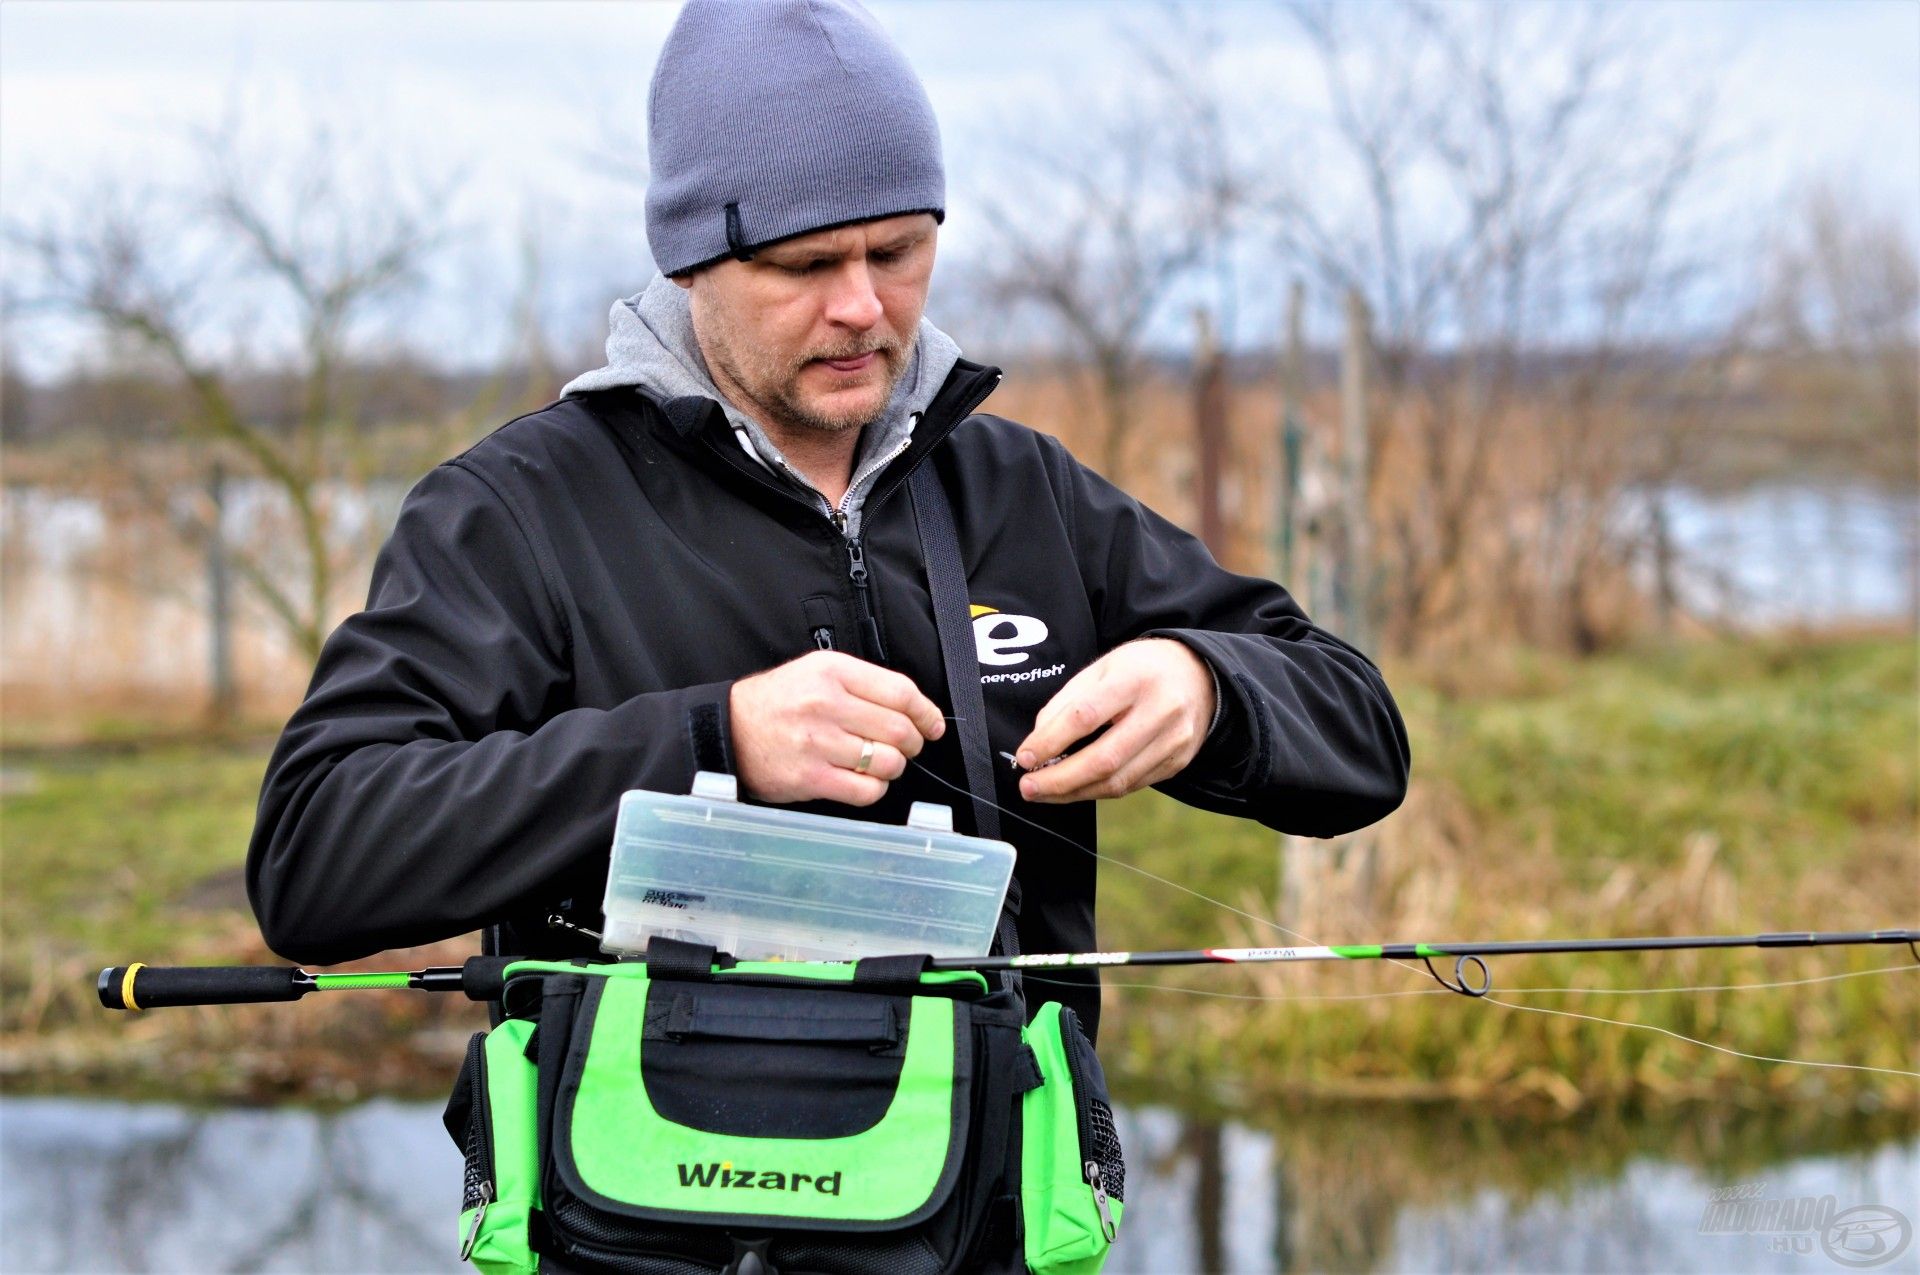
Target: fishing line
(1122,863)
(1713,987)
(1534,1009)
(1694,1040)
(1505,991)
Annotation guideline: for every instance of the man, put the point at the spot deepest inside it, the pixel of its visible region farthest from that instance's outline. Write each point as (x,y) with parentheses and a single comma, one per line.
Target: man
(702,558)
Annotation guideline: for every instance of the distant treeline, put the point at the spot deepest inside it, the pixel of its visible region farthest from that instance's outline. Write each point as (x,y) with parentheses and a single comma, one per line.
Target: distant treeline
(148,406)
(1780,413)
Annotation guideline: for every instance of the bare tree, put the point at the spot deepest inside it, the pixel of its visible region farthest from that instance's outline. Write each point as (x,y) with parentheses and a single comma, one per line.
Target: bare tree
(1843,303)
(1839,335)
(1501,186)
(1099,223)
(284,254)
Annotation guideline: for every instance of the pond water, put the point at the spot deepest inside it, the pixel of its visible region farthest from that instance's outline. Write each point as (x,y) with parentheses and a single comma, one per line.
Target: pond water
(96,597)
(1793,553)
(110,1186)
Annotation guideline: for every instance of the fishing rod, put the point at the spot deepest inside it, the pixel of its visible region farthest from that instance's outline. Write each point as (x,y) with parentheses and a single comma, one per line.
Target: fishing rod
(481,978)
(1466,956)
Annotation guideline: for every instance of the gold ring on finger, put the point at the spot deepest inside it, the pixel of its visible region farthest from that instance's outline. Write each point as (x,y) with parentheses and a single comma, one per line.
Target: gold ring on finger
(866,757)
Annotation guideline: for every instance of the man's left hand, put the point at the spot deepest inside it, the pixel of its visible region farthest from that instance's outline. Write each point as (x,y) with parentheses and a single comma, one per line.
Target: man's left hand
(1155,697)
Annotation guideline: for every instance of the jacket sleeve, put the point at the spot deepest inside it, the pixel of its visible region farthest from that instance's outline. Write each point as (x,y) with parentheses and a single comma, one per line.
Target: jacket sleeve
(436,775)
(1307,738)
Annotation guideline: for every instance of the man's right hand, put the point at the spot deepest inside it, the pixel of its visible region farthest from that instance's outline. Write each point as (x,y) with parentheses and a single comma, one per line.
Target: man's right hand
(799,730)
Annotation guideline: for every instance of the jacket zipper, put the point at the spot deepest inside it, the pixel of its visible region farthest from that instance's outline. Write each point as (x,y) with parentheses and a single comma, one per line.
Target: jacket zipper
(857,572)
(1083,1120)
(856,550)
(737,460)
(856,558)
(964,410)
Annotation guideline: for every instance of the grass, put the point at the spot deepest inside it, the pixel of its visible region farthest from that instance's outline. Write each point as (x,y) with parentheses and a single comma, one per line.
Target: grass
(1780,752)
(102,848)
(126,852)
(1742,786)
(1727,787)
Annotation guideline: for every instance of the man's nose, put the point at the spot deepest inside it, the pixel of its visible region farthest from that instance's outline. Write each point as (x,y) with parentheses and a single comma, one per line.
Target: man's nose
(853,303)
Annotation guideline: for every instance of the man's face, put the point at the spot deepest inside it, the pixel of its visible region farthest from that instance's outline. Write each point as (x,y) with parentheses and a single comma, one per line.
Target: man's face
(815,331)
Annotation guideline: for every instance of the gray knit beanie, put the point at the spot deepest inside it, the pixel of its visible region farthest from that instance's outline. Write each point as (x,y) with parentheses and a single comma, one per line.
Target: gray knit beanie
(772,118)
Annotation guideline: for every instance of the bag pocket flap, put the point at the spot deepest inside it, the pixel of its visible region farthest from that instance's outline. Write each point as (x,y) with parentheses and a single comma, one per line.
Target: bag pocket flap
(649,1122)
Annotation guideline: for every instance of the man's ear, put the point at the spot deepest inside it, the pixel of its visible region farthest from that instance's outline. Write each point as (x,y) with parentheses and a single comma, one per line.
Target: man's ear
(684,280)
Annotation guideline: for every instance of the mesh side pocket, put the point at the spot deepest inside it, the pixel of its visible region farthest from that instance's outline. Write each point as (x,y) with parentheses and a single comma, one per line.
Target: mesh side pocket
(1102,1137)
(478,1172)
(466,1123)
(1106,1150)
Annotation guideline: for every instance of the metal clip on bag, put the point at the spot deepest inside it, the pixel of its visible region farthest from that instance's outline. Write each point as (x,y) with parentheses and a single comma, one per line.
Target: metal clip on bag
(677,1117)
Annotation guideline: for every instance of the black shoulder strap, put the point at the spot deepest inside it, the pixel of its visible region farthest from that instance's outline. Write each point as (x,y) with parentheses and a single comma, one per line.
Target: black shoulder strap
(947,584)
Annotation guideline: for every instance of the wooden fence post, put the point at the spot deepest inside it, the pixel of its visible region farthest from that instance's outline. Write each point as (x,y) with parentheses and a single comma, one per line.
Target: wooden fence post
(1210,423)
(1286,530)
(1286,483)
(1357,626)
(225,697)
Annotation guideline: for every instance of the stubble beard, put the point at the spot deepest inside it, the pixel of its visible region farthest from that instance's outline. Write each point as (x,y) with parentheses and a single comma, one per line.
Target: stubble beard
(773,385)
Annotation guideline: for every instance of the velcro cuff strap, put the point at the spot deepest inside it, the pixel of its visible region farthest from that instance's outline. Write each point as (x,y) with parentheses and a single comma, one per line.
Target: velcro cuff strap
(707,740)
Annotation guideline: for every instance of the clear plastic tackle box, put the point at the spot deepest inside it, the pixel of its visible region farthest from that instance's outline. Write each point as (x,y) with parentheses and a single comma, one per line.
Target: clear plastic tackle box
(771,884)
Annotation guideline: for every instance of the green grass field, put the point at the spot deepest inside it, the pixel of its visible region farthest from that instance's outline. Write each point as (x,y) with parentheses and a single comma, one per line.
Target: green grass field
(1752,786)
(1720,788)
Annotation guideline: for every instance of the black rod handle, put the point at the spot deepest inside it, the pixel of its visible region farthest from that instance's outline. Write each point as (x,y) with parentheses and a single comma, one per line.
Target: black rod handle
(483,978)
(138,986)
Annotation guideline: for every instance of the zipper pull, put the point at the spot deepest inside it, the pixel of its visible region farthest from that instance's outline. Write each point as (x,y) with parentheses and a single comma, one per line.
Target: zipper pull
(869,623)
(1107,1227)
(479,1215)
(839,517)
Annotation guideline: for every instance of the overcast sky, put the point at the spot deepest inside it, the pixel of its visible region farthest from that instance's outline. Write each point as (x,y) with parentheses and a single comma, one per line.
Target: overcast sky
(513,94)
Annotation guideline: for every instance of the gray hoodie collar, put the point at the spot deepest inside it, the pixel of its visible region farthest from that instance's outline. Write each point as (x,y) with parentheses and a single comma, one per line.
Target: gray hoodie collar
(651,346)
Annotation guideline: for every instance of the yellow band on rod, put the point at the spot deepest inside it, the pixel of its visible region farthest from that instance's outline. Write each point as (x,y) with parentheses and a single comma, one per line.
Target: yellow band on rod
(126,985)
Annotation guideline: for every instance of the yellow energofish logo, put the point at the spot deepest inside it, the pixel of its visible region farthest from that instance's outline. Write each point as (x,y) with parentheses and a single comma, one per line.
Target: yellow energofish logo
(1001,638)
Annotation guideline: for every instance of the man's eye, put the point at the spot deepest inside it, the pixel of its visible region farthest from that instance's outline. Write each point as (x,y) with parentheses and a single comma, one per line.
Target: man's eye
(801,267)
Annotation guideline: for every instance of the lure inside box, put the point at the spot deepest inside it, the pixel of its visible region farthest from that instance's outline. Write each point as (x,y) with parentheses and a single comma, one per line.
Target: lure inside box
(765,883)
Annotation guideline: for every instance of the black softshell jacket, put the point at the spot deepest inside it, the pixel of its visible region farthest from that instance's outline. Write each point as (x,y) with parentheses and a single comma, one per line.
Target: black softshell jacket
(561,611)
